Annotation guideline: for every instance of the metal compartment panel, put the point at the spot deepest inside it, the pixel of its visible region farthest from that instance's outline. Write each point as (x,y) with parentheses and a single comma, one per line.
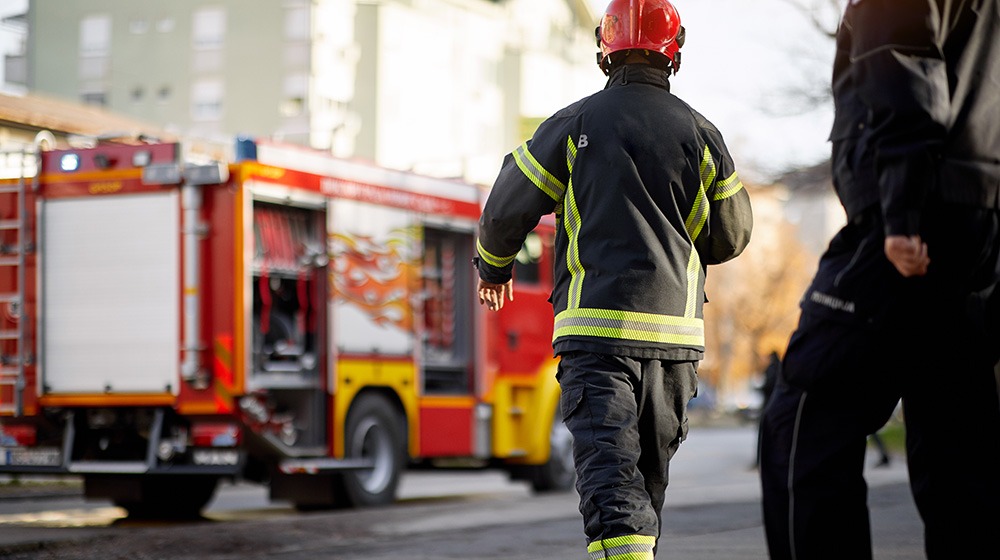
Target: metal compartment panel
(110,294)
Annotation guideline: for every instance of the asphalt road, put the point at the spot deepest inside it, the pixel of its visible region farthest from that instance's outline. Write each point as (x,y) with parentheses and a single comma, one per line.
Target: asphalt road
(712,512)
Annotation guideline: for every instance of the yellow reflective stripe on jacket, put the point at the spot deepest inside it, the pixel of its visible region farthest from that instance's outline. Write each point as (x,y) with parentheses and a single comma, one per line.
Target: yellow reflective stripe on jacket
(694,224)
(572,222)
(693,272)
(492,259)
(630,325)
(728,187)
(537,174)
(699,210)
(628,547)
(570,156)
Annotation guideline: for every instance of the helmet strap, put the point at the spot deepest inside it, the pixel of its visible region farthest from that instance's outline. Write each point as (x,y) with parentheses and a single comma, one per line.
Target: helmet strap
(655,59)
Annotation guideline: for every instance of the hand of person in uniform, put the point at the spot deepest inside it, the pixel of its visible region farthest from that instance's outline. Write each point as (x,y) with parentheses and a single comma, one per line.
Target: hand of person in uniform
(908,254)
(493,295)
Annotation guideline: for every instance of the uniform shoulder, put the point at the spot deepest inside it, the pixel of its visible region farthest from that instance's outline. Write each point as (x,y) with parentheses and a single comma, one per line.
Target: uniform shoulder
(573,109)
(699,119)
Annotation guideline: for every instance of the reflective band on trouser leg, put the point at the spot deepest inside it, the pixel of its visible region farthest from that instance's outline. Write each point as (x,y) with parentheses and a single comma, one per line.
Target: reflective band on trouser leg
(628,547)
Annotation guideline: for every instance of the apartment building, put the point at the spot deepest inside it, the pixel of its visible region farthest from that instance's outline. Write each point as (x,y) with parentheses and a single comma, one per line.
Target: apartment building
(444,87)
(13,45)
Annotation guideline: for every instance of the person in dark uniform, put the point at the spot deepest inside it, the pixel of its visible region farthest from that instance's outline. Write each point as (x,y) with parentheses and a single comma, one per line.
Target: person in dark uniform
(646,196)
(771,373)
(898,308)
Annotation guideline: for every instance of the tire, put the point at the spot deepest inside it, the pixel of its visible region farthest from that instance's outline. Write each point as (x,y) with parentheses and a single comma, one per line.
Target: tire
(558,474)
(170,498)
(373,431)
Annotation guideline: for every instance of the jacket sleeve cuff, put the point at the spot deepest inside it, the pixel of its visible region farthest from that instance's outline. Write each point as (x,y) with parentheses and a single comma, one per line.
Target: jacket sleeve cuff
(490,273)
(906,223)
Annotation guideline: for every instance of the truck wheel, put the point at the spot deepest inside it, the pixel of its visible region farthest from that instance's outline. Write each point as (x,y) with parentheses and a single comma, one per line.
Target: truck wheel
(169,498)
(374,432)
(558,474)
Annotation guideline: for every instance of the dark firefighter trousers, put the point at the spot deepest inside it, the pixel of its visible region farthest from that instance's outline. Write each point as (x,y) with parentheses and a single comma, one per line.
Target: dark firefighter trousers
(868,337)
(628,417)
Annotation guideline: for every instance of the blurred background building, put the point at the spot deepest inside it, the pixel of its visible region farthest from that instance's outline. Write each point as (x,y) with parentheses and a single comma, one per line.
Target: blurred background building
(444,87)
(13,46)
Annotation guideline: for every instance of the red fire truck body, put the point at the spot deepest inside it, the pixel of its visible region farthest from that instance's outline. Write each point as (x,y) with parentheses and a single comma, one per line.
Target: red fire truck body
(288,318)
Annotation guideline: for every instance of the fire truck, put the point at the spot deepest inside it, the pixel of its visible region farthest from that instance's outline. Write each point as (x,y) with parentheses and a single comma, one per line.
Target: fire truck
(283,317)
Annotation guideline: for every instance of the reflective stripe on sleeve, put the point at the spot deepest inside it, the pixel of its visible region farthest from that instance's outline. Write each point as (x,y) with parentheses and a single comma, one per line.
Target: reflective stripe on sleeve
(537,174)
(628,547)
(492,259)
(728,187)
(630,325)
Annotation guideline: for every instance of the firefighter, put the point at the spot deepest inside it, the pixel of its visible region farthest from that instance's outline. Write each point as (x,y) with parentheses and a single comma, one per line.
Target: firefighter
(645,196)
(900,305)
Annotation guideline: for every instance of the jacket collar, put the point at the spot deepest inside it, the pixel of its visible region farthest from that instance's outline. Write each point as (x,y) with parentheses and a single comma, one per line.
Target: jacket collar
(639,73)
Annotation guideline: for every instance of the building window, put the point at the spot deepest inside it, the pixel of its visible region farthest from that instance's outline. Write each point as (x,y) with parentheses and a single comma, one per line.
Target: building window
(292,106)
(209,28)
(163,94)
(295,90)
(97,98)
(138,26)
(297,23)
(206,100)
(95,35)
(165,25)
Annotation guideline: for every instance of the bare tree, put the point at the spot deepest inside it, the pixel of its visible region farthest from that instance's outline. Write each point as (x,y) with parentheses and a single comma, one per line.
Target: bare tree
(824,14)
(813,88)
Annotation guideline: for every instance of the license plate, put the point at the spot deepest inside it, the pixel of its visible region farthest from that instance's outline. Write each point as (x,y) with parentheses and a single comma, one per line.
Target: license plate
(41,457)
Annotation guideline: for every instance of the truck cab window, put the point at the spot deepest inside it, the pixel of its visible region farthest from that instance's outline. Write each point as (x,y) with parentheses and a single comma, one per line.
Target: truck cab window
(526,264)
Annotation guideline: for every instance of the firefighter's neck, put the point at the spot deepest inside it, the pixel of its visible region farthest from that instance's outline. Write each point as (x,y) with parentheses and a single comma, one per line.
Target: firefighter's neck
(636,57)
(640,62)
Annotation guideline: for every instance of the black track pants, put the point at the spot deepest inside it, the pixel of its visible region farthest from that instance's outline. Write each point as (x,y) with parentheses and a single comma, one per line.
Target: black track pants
(868,338)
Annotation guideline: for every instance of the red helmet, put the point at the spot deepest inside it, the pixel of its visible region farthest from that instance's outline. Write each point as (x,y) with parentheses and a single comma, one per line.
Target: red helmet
(651,25)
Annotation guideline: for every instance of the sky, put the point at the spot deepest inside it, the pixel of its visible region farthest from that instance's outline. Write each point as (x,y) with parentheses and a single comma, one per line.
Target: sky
(743,61)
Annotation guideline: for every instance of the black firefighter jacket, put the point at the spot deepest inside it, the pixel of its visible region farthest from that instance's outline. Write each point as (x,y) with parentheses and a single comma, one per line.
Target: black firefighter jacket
(645,196)
(917,88)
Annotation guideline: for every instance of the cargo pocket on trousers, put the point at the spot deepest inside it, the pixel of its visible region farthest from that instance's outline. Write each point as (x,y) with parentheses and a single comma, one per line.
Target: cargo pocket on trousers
(570,401)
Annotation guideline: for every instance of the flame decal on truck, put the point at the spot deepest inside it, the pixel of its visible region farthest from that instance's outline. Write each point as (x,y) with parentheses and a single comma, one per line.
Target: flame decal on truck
(374,274)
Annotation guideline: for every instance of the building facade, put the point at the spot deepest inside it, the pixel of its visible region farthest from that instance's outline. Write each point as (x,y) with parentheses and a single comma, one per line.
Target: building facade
(13,45)
(443,87)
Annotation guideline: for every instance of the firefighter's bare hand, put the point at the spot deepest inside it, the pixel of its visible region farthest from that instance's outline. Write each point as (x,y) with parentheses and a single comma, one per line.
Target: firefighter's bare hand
(493,295)
(908,254)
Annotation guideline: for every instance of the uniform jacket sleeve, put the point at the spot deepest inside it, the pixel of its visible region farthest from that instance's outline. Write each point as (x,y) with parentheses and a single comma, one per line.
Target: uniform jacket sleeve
(730,217)
(900,74)
(531,183)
